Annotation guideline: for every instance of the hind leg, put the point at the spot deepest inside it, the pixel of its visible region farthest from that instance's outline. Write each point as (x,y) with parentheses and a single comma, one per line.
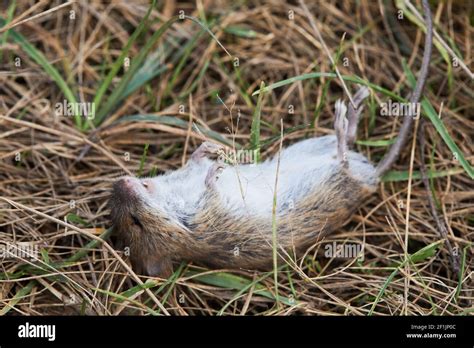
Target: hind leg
(340,126)
(354,114)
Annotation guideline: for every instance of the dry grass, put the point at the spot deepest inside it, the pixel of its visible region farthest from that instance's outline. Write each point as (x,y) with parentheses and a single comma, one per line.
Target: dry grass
(55,177)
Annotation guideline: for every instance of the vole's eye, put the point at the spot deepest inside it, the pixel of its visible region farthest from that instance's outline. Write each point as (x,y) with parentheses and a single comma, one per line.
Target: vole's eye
(136,221)
(145,184)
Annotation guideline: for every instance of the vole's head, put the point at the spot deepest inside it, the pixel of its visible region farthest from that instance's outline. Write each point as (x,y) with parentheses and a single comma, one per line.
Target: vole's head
(142,228)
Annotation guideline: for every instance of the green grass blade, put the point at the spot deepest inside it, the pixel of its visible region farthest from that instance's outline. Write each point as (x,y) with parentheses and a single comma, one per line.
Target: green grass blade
(255,128)
(195,20)
(150,69)
(71,217)
(86,249)
(411,16)
(177,122)
(18,296)
(10,13)
(443,132)
(169,283)
(461,272)
(426,252)
(240,31)
(375,143)
(231,281)
(354,79)
(142,160)
(41,60)
(286,131)
(119,62)
(322,101)
(27,269)
(439,126)
(421,255)
(241,292)
(117,95)
(122,299)
(45,256)
(185,53)
(137,288)
(404,175)
(195,82)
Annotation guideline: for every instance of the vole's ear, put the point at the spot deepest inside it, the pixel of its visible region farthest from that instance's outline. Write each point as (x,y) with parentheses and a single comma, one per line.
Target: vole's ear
(158,267)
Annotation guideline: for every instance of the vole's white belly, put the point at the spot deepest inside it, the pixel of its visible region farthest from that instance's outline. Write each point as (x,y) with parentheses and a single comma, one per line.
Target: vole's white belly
(304,166)
(251,188)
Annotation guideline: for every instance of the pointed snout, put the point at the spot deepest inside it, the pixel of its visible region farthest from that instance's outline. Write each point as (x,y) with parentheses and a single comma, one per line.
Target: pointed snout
(125,188)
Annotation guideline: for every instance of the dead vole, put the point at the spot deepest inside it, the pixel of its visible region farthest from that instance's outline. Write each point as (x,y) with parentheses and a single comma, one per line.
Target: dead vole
(222,216)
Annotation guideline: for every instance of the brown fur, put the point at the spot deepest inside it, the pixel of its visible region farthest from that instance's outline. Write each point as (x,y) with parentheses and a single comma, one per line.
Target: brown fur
(227,239)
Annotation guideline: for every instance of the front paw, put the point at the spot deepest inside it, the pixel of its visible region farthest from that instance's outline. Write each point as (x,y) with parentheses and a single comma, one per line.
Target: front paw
(207,149)
(213,174)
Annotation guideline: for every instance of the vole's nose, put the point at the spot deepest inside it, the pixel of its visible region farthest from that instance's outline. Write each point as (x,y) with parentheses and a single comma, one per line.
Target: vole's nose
(126,182)
(124,188)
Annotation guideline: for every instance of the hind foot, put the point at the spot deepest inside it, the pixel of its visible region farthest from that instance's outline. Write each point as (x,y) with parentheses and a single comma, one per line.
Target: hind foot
(340,126)
(354,114)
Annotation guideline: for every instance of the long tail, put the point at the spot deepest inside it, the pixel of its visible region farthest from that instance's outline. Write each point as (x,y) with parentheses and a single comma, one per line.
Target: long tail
(405,129)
